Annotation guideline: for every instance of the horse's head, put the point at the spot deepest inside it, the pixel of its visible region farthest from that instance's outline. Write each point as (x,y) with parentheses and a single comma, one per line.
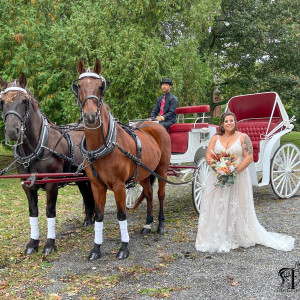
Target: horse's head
(14,104)
(89,91)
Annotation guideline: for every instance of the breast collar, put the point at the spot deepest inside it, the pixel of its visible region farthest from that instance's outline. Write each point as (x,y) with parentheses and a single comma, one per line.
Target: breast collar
(106,148)
(39,150)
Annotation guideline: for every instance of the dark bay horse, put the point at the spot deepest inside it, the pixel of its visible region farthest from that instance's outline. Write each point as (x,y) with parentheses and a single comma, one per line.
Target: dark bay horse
(41,148)
(109,149)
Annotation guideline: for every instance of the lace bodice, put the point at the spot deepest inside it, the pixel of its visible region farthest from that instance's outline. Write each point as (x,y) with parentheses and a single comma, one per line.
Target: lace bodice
(235,148)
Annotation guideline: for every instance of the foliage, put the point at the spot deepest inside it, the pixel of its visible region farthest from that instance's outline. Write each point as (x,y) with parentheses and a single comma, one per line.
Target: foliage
(256,44)
(138,42)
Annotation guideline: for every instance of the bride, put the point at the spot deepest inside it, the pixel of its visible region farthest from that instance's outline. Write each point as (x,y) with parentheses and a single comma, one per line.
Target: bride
(227,217)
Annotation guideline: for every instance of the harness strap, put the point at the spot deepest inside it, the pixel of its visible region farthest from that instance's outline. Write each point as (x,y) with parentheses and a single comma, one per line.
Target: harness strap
(43,142)
(96,175)
(131,182)
(138,161)
(106,148)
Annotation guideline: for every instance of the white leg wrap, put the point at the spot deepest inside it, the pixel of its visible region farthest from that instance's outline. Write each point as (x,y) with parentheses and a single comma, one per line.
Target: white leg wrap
(51,228)
(34,228)
(98,233)
(124,231)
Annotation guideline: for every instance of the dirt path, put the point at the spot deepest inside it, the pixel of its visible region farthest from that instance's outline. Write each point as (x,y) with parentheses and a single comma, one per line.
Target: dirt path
(169,266)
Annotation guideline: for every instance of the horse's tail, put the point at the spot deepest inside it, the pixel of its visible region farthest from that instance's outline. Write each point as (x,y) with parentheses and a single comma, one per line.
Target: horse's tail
(142,195)
(152,179)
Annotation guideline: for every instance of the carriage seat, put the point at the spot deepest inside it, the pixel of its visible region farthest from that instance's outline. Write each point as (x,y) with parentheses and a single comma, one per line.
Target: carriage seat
(256,129)
(180,132)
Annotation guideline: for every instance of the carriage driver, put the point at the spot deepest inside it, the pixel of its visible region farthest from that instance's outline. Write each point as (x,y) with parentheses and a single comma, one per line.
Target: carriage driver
(165,107)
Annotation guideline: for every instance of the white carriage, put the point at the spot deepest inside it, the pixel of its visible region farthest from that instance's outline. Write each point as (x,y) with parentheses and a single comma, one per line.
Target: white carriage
(263,118)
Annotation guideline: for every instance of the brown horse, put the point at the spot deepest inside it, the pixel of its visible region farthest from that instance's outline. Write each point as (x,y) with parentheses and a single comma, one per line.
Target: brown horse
(109,150)
(41,148)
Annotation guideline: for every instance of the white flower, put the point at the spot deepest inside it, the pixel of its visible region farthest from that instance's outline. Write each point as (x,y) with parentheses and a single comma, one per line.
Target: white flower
(221,172)
(231,168)
(222,163)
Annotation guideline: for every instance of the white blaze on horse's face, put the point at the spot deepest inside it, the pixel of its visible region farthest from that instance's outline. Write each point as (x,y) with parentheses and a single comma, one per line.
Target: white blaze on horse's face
(13,113)
(90,95)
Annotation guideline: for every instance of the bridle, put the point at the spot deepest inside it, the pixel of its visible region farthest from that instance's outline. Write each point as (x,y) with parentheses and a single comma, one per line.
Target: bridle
(109,141)
(75,89)
(23,119)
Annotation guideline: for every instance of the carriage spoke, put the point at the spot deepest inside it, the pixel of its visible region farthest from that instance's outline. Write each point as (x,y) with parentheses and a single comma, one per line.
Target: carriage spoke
(290,186)
(279,183)
(297,177)
(279,166)
(278,177)
(293,158)
(283,184)
(296,164)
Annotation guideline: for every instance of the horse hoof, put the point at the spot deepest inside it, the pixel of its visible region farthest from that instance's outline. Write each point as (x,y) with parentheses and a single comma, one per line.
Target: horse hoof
(145,231)
(95,253)
(87,223)
(123,252)
(161,229)
(94,256)
(32,246)
(49,247)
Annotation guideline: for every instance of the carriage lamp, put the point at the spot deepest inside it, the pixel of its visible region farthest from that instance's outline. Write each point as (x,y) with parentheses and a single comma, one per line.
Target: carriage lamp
(204,134)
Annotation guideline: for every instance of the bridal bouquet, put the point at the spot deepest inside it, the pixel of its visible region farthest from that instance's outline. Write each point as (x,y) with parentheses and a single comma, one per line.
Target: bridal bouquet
(224,165)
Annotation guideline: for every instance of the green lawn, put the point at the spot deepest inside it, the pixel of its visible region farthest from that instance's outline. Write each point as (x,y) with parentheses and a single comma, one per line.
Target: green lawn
(292,137)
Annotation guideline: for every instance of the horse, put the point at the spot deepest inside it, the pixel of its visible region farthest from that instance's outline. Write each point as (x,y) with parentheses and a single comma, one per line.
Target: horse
(41,147)
(114,156)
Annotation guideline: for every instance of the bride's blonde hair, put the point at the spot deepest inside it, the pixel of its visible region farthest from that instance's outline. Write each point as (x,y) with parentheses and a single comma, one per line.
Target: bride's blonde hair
(221,129)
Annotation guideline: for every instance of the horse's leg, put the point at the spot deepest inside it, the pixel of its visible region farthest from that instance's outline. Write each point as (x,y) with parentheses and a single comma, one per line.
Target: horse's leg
(51,191)
(148,193)
(161,196)
(88,200)
(120,196)
(99,193)
(33,244)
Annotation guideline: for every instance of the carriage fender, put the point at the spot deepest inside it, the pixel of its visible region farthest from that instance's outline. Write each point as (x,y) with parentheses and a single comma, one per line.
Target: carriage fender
(267,155)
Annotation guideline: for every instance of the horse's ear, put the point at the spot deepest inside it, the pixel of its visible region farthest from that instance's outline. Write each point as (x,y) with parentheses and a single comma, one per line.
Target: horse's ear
(80,66)
(3,83)
(97,66)
(23,80)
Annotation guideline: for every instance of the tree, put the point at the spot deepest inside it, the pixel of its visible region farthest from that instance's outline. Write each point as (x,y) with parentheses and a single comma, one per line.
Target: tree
(256,43)
(138,42)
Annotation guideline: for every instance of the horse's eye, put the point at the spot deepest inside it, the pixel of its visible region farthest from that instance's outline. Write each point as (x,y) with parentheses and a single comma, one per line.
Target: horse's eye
(1,104)
(24,101)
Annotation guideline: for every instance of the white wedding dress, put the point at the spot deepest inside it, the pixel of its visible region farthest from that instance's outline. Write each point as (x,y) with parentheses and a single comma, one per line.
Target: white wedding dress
(227,217)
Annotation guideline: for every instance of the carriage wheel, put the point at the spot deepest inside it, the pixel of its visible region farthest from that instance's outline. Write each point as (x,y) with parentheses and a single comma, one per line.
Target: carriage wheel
(199,181)
(285,171)
(132,194)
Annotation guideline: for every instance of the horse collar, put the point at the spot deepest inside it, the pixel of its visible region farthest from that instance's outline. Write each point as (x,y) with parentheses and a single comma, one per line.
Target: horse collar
(106,148)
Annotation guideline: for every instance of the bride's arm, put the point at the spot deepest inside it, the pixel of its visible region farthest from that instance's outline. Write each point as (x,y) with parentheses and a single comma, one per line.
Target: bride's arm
(211,147)
(247,153)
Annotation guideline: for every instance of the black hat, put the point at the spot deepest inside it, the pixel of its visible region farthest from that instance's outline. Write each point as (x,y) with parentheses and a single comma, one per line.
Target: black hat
(166,80)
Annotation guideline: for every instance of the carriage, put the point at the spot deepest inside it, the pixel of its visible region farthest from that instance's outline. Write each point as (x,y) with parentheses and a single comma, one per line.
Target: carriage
(263,118)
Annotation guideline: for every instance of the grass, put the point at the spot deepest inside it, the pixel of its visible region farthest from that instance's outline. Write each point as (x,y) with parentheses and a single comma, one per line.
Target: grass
(292,137)
(5,150)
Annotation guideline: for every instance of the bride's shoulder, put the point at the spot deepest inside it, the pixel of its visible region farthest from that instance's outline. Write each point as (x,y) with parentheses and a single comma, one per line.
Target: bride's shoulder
(242,135)
(214,137)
